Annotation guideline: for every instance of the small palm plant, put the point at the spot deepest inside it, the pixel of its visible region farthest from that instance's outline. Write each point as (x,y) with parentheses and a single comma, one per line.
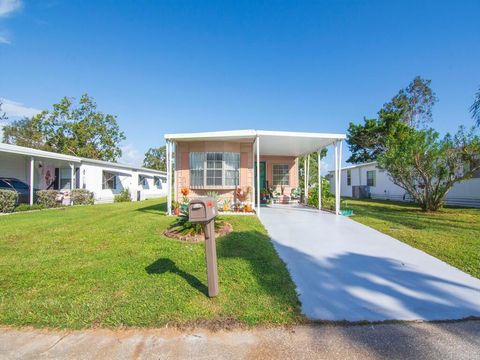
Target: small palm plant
(183,226)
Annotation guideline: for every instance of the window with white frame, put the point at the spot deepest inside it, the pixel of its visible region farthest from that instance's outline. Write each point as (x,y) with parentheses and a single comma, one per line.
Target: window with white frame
(371,178)
(349,177)
(157,180)
(109,181)
(142,180)
(280,174)
(214,169)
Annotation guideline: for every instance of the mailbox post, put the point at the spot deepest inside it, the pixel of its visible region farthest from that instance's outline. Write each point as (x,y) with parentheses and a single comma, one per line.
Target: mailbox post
(203,211)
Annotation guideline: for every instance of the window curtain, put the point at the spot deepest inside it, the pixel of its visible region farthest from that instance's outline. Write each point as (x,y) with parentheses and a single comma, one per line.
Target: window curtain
(197,163)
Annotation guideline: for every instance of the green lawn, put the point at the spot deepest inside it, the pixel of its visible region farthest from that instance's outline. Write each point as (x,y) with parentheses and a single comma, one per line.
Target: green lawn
(451,234)
(109,265)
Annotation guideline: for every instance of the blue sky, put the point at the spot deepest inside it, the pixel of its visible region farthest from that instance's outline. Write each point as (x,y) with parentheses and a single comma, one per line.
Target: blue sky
(180,66)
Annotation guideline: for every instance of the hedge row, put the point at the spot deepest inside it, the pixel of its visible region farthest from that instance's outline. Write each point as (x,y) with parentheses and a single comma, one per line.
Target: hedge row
(8,200)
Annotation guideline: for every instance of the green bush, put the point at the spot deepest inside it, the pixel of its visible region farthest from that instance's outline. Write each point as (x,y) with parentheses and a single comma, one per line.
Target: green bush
(124,196)
(27,207)
(8,200)
(328,199)
(47,198)
(81,197)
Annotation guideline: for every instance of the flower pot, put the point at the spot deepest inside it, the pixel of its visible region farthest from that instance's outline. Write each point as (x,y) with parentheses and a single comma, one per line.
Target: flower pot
(176,211)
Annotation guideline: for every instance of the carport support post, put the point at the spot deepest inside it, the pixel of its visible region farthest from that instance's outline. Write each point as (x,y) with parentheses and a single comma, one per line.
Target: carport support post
(258,176)
(32,175)
(169,181)
(319,181)
(305,180)
(339,175)
(337,190)
(72,179)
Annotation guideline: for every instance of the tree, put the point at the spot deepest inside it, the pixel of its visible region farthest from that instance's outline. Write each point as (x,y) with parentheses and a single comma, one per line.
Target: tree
(411,106)
(3,115)
(156,158)
(75,129)
(313,165)
(475,108)
(427,167)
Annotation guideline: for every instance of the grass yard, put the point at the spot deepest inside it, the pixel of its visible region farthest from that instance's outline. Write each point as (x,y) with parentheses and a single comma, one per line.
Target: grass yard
(109,265)
(451,234)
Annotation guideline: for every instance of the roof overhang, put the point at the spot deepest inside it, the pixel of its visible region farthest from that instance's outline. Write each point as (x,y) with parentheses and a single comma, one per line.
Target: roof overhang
(279,143)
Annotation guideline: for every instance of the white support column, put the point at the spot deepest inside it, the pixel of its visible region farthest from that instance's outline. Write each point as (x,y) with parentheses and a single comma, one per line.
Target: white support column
(173,150)
(72,176)
(319,181)
(258,176)
(72,180)
(32,176)
(308,177)
(169,181)
(337,190)
(305,180)
(339,174)
(253,175)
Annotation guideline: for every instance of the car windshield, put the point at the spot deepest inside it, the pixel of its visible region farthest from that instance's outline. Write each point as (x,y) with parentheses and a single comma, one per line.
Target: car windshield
(18,185)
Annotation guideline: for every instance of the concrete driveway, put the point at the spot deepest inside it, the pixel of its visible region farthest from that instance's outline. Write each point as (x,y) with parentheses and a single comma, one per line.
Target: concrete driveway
(344,270)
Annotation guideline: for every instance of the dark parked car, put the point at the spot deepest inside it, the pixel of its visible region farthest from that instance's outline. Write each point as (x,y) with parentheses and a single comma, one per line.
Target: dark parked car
(22,189)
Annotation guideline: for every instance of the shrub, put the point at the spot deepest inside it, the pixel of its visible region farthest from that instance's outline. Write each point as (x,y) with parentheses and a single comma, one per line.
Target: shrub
(8,200)
(328,199)
(27,207)
(47,198)
(183,226)
(124,196)
(81,197)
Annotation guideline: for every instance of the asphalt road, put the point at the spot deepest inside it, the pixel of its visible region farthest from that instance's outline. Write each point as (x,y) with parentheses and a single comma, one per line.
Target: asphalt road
(452,340)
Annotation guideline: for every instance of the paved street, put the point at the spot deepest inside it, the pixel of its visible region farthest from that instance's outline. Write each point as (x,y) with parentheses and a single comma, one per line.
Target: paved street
(454,340)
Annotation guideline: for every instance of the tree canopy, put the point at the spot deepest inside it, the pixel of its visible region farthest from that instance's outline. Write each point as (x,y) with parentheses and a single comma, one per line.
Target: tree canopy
(156,158)
(412,106)
(475,108)
(77,129)
(427,167)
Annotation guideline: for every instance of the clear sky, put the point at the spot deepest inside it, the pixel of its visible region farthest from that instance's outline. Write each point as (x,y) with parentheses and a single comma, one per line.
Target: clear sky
(181,66)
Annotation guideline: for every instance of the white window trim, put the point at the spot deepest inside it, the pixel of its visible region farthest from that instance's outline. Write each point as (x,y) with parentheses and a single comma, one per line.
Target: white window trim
(205,169)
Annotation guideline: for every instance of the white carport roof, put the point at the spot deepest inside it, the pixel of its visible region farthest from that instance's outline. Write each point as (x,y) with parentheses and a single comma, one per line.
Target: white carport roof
(283,143)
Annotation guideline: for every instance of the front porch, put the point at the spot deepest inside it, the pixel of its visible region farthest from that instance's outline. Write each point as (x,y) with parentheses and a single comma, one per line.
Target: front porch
(261,163)
(41,172)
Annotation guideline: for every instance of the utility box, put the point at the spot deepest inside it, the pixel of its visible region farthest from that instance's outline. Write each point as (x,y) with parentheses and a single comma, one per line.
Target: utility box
(202,210)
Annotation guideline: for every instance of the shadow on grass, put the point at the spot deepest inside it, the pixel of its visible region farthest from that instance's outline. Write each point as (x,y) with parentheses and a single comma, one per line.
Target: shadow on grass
(164,265)
(265,266)
(159,209)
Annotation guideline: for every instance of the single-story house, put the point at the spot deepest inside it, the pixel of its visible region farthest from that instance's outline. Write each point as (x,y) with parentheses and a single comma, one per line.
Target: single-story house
(48,170)
(250,160)
(368,180)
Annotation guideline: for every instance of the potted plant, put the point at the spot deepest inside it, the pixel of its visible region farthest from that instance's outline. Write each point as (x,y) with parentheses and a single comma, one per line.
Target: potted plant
(176,207)
(226,205)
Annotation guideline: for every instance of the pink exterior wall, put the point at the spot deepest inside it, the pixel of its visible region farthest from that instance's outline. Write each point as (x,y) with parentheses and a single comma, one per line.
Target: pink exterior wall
(292,163)
(182,172)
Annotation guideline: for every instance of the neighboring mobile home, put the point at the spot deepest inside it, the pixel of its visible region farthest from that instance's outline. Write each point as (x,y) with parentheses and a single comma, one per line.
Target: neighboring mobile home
(367,180)
(48,170)
(225,161)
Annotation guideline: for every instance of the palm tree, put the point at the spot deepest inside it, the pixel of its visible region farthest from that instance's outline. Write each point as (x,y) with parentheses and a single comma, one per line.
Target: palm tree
(475,108)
